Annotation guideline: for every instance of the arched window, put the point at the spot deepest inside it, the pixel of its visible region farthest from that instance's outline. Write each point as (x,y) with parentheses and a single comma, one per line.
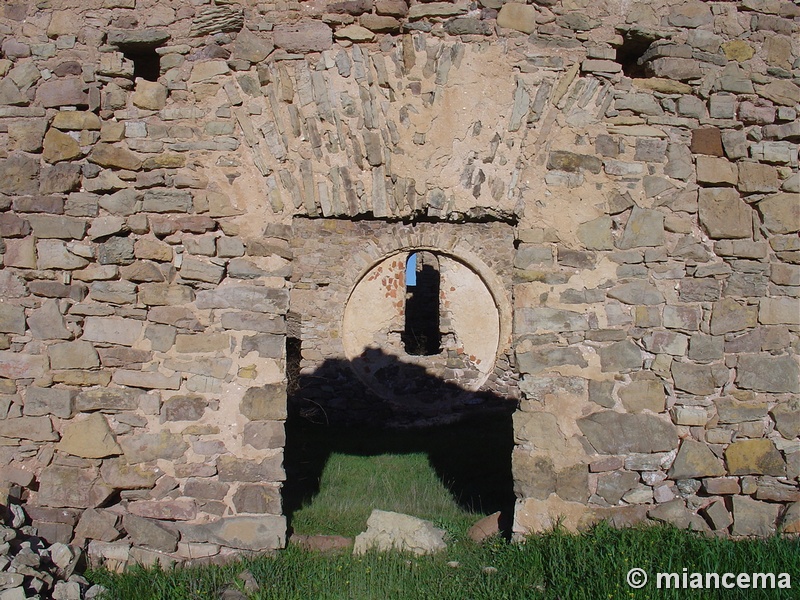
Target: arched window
(421,336)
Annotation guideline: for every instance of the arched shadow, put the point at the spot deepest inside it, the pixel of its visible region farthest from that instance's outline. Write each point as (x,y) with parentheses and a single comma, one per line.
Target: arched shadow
(467,436)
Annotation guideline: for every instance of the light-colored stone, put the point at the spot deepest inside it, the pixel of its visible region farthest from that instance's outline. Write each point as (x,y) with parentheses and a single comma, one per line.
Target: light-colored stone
(112,330)
(90,437)
(754,457)
(394,531)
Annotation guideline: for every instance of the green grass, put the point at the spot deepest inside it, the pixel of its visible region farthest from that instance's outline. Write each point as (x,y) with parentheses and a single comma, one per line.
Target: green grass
(554,566)
(352,486)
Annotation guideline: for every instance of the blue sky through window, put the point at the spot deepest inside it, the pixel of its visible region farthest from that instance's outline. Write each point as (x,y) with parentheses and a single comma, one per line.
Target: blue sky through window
(411,269)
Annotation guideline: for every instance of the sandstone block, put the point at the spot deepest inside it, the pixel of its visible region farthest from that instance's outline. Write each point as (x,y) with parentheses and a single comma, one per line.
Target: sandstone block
(751,517)
(610,432)
(204,342)
(724,214)
(14,365)
(266,403)
(716,171)
(206,489)
(787,418)
(613,486)
(18,175)
(728,315)
(53,254)
(167,201)
(754,457)
(97,524)
(534,474)
(695,460)
(537,516)
(790,523)
(767,373)
(231,468)
(49,401)
(250,47)
(781,213)
(149,95)
(264,435)
(730,410)
(76,120)
(12,318)
(620,356)
(147,379)
(164,294)
(113,292)
(57,227)
(689,415)
(540,359)
(21,253)
(36,429)
(184,408)
(435,9)
(72,487)
(60,147)
(112,330)
(67,91)
(119,474)
(679,69)
(303,36)
(10,94)
(643,395)
(146,447)
(644,228)
(150,533)
(114,157)
(108,400)
(246,297)
(169,510)
(596,234)
(197,270)
(90,437)
(258,499)
(637,292)
(682,317)
(263,532)
(520,17)
(707,140)
(394,531)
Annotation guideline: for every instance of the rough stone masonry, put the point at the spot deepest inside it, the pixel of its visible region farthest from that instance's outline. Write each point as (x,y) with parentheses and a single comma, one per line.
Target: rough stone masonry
(617,182)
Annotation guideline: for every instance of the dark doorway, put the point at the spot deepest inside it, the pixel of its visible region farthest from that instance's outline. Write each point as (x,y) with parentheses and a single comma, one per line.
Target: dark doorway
(471,455)
(422,335)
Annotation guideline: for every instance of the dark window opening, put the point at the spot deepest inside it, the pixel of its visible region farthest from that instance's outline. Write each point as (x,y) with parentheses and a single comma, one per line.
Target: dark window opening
(421,336)
(293,359)
(146,62)
(633,47)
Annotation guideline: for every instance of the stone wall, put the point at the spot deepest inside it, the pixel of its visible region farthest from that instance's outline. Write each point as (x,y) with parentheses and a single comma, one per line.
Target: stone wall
(645,153)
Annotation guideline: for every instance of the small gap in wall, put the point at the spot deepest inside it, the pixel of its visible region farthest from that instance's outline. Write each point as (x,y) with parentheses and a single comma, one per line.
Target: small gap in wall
(633,47)
(146,62)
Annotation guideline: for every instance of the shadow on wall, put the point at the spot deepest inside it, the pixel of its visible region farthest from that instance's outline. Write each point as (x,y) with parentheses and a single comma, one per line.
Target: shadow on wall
(470,450)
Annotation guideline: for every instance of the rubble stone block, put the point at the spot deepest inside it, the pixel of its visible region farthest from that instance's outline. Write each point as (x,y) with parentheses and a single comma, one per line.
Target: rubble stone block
(754,457)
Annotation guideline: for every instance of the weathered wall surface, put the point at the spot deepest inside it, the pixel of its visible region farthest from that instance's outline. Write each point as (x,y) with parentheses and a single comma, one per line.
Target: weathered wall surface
(349,295)
(646,151)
